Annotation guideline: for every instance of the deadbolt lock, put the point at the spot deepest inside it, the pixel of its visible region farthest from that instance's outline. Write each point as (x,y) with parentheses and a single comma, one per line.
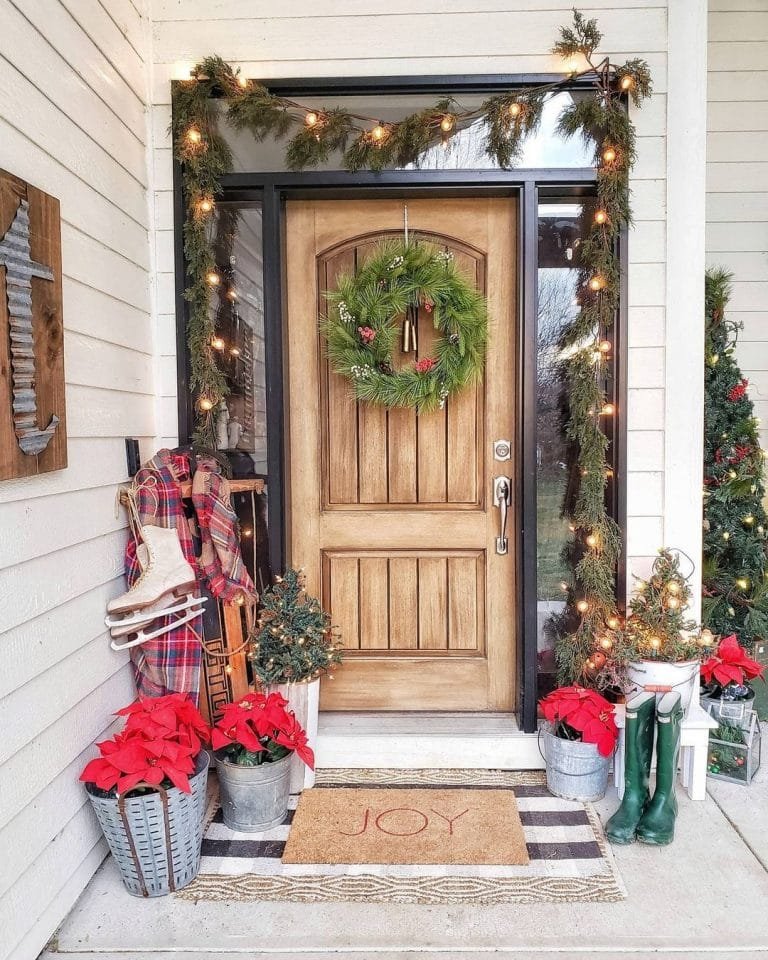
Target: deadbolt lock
(502,450)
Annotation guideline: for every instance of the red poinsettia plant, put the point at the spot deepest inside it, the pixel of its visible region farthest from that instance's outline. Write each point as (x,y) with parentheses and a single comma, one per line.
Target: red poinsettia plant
(729,666)
(260,729)
(577,713)
(158,746)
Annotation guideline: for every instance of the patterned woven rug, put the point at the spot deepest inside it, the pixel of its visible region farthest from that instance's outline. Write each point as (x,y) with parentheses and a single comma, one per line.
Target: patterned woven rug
(569,856)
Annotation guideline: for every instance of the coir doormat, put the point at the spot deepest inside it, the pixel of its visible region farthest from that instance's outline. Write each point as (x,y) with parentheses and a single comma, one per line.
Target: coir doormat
(568,856)
(448,825)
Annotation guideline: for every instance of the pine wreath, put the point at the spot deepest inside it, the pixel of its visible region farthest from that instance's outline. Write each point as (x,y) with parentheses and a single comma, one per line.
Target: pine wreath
(363,327)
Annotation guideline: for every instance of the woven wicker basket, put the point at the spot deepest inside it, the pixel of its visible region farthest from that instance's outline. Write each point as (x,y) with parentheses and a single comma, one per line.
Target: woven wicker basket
(156,838)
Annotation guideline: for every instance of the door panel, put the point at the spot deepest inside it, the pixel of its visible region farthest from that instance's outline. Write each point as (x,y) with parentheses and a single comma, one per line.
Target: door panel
(391,512)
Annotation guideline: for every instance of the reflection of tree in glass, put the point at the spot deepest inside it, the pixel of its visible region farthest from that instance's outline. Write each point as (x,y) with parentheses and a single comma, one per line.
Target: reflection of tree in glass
(556,294)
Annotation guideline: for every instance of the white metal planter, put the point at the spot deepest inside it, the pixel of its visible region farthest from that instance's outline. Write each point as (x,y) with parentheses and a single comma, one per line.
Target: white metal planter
(156,838)
(304,699)
(657,676)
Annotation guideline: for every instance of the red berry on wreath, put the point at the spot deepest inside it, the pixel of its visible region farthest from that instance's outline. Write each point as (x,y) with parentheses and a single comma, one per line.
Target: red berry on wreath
(737,392)
(425,364)
(367,334)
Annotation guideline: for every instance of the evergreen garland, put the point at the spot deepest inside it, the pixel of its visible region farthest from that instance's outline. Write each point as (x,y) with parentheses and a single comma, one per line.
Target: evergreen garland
(506,120)
(735,590)
(361,332)
(293,640)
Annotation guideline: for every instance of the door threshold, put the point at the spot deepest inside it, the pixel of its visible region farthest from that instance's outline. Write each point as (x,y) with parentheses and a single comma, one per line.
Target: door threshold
(418,740)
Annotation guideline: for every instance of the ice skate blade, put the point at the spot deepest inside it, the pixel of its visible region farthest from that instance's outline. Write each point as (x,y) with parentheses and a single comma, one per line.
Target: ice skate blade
(142,636)
(148,614)
(179,590)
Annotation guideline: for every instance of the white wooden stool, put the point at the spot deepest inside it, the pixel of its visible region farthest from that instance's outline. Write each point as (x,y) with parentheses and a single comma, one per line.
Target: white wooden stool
(694,747)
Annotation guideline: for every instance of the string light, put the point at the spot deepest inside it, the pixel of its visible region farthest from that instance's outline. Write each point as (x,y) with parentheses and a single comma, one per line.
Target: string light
(582,606)
(673,587)
(732,474)
(626,82)
(609,155)
(218,343)
(515,109)
(597,282)
(613,623)
(378,133)
(673,603)
(601,217)
(655,642)
(606,643)
(234,351)
(205,403)
(228,668)
(232,294)
(749,520)
(447,123)
(205,205)
(742,583)
(194,136)
(593,540)
(713,359)
(726,535)
(605,346)
(212,278)
(311,119)
(608,474)
(608,409)
(243,81)
(247,531)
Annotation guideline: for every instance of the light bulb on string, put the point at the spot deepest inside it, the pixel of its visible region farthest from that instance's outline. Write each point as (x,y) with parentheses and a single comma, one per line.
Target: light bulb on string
(742,583)
(311,119)
(234,351)
(582,606)
(592,540)
(605,346)
(596,283)
(672,603)
(726,535)
(205,404)
(749,520)
(212,278)
(609,155)
(205,205)
(447,123)
(194,136)
(243,81)
(608,409)
(378,133)
(515,110)
(673,587)
(601,217)
(626,82)
(218,343)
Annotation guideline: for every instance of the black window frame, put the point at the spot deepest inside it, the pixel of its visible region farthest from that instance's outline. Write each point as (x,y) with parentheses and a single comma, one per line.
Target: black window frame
(273,189)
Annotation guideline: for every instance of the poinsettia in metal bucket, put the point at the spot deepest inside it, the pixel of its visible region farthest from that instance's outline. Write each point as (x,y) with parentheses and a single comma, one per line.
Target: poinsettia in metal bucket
(254,741)
(579,740)
(148,791)
(726,676)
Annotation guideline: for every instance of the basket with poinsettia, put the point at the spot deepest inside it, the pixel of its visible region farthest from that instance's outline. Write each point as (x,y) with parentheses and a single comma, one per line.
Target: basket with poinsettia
(147,788)
(254,741)
(579,738)
(577,713)
(727,673)
(159,746)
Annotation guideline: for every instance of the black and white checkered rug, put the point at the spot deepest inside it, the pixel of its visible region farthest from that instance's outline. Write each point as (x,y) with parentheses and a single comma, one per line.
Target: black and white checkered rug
(569,856)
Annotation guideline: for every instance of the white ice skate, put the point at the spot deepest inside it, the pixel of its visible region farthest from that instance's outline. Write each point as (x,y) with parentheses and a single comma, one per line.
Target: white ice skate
(153,612)
(134,636)
(166,581)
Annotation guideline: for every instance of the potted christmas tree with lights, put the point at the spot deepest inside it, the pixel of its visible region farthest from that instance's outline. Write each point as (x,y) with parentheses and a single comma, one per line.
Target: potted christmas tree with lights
(293,644)
(735,589)
(661,646)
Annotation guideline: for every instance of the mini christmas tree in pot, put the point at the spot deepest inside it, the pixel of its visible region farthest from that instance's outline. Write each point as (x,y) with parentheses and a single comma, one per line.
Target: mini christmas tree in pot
(293,645)
(661,646)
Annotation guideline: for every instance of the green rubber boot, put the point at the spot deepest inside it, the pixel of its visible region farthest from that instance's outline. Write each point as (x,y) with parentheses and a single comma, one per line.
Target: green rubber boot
(657,824)
(638,750)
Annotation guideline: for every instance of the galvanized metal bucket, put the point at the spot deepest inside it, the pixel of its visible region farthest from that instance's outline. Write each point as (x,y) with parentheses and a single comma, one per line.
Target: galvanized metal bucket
(254,799)
(575,770)
(156,838)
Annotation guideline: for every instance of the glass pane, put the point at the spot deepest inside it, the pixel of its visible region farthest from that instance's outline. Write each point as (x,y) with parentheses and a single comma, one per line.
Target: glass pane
(561,227)
(464,151)
(241,419)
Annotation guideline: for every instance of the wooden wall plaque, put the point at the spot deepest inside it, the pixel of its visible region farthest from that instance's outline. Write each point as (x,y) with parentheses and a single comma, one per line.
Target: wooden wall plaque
(33,429)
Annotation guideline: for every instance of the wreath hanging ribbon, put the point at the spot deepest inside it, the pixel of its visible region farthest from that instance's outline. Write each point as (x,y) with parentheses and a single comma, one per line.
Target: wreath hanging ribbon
(362,328)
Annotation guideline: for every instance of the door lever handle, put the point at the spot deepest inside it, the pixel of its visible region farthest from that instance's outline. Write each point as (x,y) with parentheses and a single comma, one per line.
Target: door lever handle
(502,498)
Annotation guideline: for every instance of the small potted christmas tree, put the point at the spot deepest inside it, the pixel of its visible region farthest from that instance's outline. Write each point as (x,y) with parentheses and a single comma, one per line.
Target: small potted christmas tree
(661,646)
(293,645)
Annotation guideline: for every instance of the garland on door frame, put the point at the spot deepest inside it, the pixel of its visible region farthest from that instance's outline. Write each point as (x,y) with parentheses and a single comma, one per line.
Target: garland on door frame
(315,134)
(397,280)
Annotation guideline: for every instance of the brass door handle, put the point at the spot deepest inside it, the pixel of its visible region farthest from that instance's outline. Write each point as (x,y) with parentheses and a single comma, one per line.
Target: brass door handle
(502,498)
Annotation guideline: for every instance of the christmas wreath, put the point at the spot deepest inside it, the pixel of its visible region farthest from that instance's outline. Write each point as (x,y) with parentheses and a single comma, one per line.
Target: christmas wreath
(374,310)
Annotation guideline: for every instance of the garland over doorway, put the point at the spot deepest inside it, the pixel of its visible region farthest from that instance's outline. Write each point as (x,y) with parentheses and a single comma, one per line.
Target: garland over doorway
(313,135)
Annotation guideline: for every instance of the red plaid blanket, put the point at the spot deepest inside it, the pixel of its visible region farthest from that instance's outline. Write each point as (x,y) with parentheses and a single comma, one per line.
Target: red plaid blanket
(171,663)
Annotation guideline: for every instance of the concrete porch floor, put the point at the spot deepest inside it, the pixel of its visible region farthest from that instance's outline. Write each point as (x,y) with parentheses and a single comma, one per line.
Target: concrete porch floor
(707,894)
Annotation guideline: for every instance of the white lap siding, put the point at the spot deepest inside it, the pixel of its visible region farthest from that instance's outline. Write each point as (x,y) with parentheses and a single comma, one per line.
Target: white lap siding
(72,122)
(737,177)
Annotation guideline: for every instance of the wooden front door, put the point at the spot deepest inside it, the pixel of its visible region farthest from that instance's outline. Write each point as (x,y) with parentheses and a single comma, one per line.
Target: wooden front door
(392,514)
